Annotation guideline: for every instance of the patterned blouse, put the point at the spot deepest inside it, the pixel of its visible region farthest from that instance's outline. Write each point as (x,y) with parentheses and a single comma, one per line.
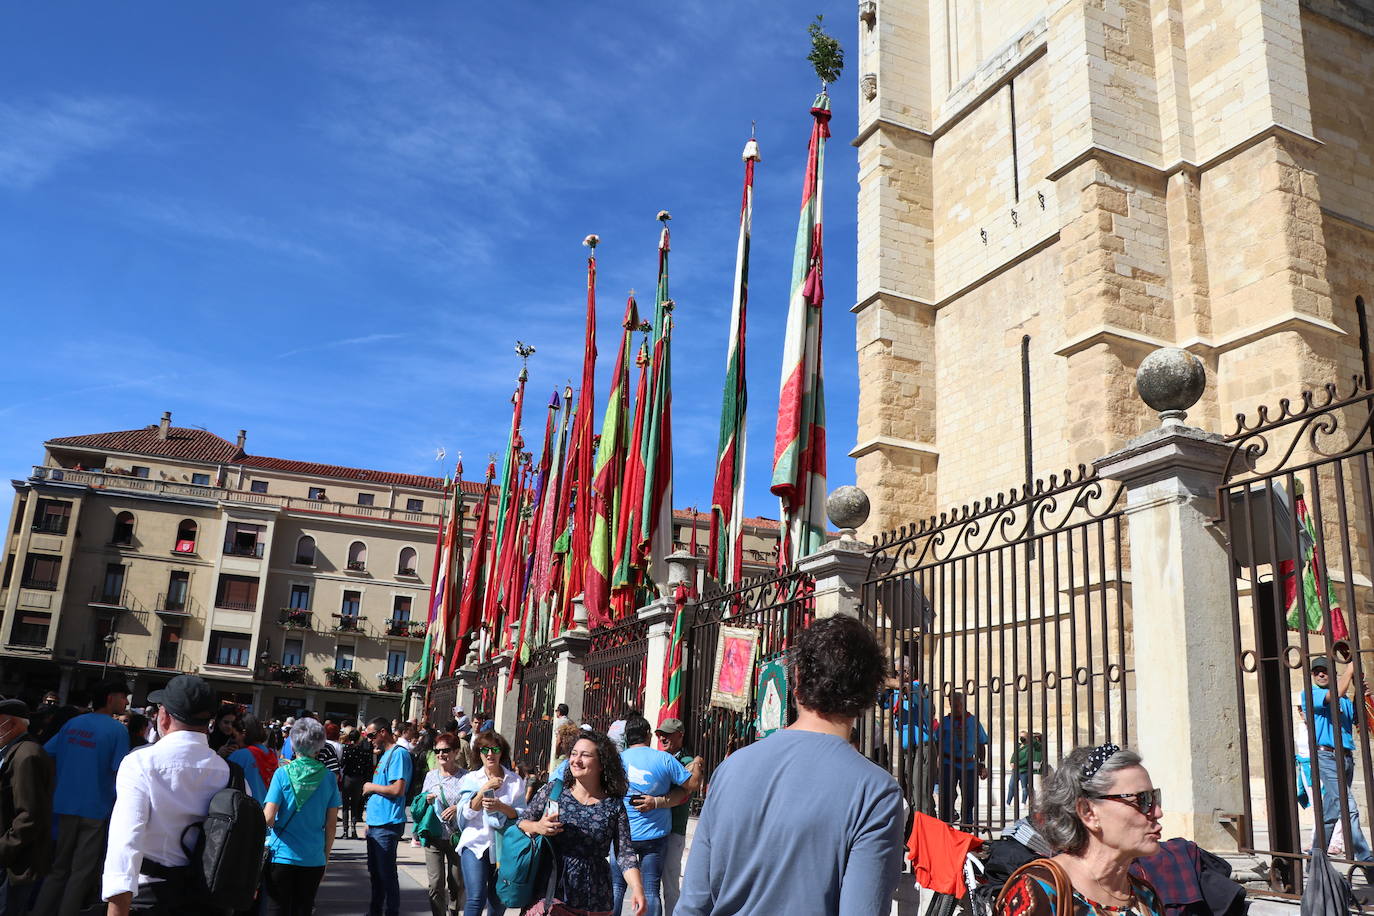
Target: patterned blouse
(1032,896)
(582,847)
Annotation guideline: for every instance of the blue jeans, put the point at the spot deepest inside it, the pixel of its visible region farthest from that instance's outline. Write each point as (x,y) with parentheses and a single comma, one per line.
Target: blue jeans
(479,880)
(1021,779)
(1358,848)
(650,870)
(381,868)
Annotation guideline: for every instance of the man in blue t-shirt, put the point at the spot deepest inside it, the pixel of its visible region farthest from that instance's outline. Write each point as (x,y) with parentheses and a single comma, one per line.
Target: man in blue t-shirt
(657,782)
(386,817)
(87,752)
(1328,742)
(963,753)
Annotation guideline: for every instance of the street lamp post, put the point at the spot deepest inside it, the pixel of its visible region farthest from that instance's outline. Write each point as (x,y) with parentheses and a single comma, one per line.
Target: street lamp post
(109,641)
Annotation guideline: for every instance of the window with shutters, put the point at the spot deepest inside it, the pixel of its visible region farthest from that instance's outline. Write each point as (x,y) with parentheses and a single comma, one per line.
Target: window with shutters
(237,593)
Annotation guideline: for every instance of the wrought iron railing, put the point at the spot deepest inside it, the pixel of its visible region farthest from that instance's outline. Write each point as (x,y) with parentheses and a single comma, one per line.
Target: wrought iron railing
(534,725)
(613,677)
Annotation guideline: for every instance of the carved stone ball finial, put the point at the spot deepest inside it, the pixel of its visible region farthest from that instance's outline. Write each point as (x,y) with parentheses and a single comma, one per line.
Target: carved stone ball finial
(1171,380)
(847,508)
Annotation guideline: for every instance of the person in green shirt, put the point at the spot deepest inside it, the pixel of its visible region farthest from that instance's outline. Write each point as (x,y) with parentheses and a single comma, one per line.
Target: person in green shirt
(1029,758)
(670,738)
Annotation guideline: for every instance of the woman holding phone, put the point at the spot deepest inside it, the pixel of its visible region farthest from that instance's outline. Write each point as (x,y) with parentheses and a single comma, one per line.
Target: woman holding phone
(488,799)
(583,824)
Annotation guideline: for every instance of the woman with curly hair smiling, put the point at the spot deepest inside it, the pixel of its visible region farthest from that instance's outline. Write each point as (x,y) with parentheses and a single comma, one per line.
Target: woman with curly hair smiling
(583,822)
(800,822)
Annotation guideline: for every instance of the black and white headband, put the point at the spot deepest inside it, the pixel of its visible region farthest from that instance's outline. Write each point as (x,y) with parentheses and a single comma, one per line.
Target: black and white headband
(1098,756)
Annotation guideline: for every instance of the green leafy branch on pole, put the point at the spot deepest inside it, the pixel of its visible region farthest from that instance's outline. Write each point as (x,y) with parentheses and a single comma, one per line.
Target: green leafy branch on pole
(826,54)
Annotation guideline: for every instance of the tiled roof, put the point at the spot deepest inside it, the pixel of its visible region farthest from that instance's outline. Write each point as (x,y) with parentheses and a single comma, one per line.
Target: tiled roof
(704,518)
(200,445)
(181,442)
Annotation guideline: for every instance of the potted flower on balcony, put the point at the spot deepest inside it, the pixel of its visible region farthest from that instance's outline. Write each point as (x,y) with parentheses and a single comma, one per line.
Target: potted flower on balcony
(391,683)
(295,618)
(406,571)
(348,623)
(418,628)
(357,566)
(291,674)
(342,677)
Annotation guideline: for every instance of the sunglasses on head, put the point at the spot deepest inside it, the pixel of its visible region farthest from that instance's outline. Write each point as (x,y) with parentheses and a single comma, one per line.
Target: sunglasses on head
(1144,801)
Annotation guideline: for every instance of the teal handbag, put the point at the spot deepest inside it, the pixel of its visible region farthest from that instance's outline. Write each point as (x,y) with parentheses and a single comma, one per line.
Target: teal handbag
(427,824)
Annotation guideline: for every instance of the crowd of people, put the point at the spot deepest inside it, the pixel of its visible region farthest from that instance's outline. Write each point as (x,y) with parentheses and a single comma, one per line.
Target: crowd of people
(97,805)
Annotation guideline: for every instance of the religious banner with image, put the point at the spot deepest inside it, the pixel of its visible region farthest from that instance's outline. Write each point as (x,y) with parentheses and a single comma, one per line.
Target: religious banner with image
(733,678)
(770,696)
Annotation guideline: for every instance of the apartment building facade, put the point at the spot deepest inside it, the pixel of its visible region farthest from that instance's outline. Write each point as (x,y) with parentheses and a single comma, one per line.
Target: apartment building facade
(164,550)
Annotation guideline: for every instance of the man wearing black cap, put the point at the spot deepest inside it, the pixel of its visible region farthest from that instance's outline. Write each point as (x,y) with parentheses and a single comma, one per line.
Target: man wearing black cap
(160,791)
(26,781)
(1332,739)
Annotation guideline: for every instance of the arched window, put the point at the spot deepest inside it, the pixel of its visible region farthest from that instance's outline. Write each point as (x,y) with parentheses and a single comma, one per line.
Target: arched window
(123,529)
(305,550)
(186,537)
(357,556)
(405,566)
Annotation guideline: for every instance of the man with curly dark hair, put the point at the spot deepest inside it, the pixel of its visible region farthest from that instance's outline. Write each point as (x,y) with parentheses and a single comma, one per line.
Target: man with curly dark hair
(800,822)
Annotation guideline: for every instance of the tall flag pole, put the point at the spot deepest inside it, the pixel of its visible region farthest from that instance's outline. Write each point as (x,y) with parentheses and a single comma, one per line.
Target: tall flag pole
(725,554)
(440,625)
(626,578)
(607,497)
(583,451)
(799,446)
(474,583)
(506,493)
(541,547)
(553,587)
(655,523)
(528,604)
(437,589)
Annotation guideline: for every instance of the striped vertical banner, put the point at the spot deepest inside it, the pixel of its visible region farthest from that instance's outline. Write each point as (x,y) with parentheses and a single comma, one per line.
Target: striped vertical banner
(725,556)
(799,446)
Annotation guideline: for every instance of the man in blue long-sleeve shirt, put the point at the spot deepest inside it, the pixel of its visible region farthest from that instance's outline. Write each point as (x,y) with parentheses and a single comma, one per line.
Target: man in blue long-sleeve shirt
(800,822)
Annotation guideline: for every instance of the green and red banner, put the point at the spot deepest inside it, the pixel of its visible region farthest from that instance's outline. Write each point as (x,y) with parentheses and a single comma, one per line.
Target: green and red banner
(725,555)
(799,445)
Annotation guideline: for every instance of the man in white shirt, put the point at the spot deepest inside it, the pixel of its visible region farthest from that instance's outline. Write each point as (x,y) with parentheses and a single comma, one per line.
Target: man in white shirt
(160,791)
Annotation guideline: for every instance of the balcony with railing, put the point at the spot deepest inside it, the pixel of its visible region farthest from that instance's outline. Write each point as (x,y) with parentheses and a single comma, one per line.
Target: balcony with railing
(343,677)
(244,550)
(107,598)
(39,582)
(228,604)
(169,659)
(389,683)
(296,618)
(348,623)
(177,606)
(51,524)
(106,480)
(356,566)
(406,628)
(288,674)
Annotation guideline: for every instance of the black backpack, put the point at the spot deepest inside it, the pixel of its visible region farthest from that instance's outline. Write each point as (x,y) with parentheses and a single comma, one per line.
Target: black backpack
(226,861)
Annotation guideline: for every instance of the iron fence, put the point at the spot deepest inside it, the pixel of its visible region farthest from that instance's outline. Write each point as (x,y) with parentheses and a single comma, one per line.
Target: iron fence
(614,674)
(1007,625)
(776,607)
(1296,510)
(534,724)
(484,689)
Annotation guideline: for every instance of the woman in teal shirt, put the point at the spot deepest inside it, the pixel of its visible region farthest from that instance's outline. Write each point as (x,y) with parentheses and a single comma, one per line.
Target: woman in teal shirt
(301,809)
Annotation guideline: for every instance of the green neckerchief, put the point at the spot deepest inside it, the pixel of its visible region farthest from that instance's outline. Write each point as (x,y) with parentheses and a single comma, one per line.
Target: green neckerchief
(305,774)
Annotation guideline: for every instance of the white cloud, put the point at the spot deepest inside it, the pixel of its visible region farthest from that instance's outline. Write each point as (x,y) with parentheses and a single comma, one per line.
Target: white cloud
(346,342)
(39,137)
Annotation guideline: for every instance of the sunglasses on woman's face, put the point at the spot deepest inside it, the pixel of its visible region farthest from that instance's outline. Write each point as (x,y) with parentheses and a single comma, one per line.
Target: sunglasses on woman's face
(488,750)
(1144,801)
(442,750)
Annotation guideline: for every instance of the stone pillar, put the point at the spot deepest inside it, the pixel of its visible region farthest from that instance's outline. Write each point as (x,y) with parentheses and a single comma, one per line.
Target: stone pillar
(569,679)
(507,701)
(839,569)
(465,694)
(1180,594)
(64,684)
(659,616)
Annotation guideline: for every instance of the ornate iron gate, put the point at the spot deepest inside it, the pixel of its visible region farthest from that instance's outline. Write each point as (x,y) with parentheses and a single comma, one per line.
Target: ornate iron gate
(778,607)
(484,690)
(534,724)
(1296,509)
(614,673)
(1017,609)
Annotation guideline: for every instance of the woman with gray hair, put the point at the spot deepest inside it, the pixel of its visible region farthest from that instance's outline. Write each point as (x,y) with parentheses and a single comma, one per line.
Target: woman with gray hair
(301,809)
(1101,811)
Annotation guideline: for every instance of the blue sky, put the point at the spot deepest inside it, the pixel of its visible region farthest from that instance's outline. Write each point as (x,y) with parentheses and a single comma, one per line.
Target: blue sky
(328,224)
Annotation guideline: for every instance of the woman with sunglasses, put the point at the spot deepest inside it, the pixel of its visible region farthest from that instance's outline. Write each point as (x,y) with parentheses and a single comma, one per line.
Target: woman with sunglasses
(488,799)
(1101,811)
(442,788)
